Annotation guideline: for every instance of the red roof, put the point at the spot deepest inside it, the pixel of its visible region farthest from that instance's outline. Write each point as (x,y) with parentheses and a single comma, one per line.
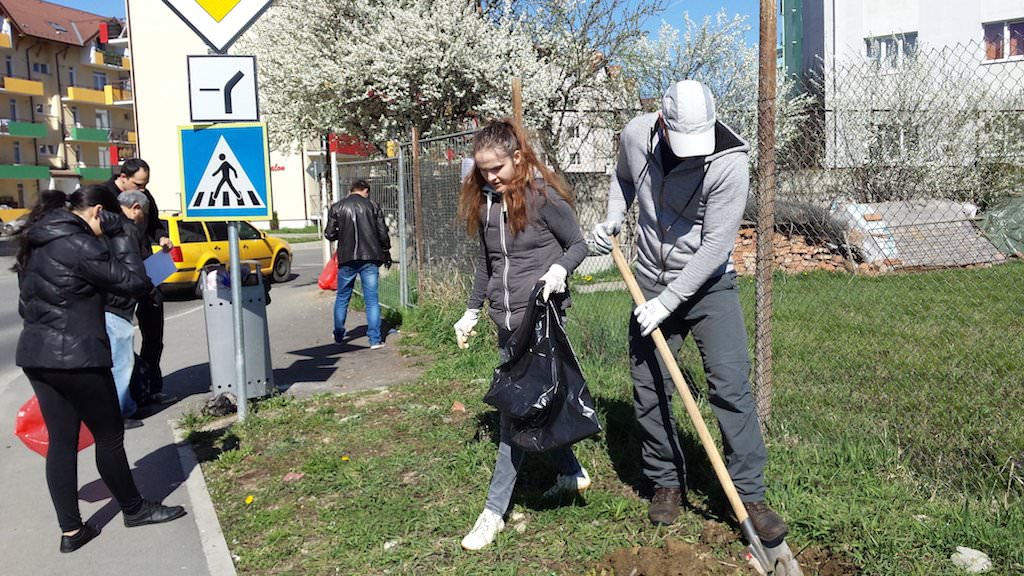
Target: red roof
(52,21)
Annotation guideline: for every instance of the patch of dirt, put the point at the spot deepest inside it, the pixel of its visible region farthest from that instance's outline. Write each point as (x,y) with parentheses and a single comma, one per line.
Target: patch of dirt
(676,558)
(824,562)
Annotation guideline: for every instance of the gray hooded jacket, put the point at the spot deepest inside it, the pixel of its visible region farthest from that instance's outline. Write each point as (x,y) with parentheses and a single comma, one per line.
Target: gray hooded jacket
(509,266)
(688,218)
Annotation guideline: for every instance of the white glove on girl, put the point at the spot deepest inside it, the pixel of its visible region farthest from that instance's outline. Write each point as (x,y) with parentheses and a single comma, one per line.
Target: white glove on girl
(554,281)
(464,327)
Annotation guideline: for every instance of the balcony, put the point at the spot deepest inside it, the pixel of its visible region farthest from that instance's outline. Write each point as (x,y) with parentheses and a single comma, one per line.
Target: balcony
(80,133)
(5,34)
(123,136)
(113,96)
(14,85)
(86,95)
(14,128)
(11,170)
(101,59)
(94,174)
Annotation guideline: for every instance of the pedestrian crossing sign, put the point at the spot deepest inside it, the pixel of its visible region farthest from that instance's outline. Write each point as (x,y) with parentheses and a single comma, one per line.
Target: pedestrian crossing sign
(225,172)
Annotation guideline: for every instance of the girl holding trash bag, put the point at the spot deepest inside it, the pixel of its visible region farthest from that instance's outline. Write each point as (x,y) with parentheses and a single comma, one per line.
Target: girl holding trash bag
(528,233)
(64,270)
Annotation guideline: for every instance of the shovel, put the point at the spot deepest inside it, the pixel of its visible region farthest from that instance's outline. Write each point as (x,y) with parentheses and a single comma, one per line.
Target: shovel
(746,526)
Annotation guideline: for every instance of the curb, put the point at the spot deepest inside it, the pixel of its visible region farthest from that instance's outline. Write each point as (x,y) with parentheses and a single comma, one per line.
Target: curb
(215,548)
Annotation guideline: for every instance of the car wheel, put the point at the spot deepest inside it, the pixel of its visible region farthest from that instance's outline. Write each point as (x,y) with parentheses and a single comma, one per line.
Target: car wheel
(282,267)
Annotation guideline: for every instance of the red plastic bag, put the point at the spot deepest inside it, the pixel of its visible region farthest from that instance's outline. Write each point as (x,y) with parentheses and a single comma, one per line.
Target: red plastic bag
(30,427)
(328,279)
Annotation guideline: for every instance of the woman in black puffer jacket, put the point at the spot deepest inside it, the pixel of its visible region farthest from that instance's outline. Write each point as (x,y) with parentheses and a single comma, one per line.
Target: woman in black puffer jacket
(64,272)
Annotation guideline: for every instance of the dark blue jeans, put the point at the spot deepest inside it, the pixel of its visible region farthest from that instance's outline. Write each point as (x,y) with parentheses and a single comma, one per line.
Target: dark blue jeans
(368,273)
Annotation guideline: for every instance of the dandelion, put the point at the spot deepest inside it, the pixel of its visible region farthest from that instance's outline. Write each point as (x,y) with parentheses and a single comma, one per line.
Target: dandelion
(344,458)
(249,499)
(588,278)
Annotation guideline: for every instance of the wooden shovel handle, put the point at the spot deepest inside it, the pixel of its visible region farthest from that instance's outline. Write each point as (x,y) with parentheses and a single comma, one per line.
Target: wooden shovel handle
(684,390)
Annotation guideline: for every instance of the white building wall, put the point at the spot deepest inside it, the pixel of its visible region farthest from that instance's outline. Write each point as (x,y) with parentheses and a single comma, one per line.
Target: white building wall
(160,44)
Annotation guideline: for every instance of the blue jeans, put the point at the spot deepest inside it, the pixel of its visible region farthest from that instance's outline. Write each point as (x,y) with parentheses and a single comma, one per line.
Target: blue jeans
(122,352)
(368,274)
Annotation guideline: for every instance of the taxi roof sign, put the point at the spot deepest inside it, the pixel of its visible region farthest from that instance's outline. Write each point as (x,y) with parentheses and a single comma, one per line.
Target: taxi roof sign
(218,22)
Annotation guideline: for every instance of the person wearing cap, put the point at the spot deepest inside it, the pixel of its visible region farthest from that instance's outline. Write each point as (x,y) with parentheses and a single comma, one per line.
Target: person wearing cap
(689,174)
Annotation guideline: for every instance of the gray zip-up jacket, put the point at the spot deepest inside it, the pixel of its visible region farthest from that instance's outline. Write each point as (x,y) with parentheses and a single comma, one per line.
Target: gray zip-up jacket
(689,217)
(509,266)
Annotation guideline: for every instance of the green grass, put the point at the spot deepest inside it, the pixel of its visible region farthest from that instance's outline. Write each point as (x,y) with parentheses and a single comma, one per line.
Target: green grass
(896,436)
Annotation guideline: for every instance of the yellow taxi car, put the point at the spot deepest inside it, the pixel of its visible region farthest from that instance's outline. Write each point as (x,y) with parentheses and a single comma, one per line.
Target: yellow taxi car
(197,244)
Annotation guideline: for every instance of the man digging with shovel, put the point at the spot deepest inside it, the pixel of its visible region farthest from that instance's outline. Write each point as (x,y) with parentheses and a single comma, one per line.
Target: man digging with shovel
(689,174)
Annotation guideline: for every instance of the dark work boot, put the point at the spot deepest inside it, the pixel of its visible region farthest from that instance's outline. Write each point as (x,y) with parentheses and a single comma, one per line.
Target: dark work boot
(664,508)
(153,513)
(770,527)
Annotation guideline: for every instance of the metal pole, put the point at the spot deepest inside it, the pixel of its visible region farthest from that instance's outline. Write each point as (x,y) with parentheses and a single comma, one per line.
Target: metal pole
(325,205)
(766,87)
(403,265)
(236,313)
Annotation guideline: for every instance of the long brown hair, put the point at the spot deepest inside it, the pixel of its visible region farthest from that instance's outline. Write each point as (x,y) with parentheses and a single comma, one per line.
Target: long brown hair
(508,137)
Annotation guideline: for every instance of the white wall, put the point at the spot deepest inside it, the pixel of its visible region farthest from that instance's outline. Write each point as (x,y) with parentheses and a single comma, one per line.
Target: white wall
(160,44)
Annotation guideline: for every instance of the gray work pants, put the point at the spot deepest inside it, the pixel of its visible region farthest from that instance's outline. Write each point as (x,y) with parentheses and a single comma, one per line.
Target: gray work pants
(714,316)
(510,456)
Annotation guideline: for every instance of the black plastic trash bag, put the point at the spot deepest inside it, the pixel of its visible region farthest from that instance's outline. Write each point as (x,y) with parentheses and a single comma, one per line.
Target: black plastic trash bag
(541,388)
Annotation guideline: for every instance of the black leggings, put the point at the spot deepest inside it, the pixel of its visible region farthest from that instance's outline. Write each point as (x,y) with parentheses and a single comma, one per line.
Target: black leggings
(66,399)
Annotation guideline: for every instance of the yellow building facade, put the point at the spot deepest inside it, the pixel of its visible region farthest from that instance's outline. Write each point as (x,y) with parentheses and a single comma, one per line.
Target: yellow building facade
(66,106)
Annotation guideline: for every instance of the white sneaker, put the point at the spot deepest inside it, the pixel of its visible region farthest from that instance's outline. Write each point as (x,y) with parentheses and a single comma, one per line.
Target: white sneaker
(577,483)
(487,526)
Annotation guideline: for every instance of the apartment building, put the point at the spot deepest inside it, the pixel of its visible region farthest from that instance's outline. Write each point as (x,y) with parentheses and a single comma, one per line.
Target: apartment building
(66,111)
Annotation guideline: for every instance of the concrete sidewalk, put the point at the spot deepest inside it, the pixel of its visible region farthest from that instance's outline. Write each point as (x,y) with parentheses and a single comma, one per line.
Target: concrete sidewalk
(305,360)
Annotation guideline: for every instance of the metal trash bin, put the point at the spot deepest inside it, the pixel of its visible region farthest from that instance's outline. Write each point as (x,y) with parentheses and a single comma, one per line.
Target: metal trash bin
(220,334)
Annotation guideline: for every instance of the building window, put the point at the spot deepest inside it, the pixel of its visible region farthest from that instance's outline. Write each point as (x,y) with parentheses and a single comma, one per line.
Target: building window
(574,159)
(99,80)
(17,152)
(104,157)
(39,109)
(78,155)
(1004,39)
(8,66)
(74,117)
(47,150)
(72,77)
(41,67)
(14,110)
(890,51)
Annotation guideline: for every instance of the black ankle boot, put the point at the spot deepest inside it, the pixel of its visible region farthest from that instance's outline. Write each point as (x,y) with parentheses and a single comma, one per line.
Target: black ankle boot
(81,538)
(153,513)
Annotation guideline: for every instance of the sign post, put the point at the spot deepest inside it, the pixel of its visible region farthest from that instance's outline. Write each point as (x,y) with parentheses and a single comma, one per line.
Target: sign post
(225,168)
(225,171)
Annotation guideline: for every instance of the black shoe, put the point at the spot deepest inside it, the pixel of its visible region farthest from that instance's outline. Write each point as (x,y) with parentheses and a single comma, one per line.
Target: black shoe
(664,508)
(770,527)
(161,398)
(153,513)
(130,423)
(81,538)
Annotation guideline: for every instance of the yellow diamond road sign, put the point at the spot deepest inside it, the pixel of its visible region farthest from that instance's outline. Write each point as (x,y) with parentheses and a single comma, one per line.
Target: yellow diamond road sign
(218,22)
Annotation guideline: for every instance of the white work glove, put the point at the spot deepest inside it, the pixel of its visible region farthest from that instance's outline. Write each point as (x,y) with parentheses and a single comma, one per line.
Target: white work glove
(464,327)
(554,281)
(603,232)
(650,314)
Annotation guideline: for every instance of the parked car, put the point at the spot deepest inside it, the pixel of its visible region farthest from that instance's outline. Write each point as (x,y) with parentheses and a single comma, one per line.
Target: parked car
(14,226)
(197,244)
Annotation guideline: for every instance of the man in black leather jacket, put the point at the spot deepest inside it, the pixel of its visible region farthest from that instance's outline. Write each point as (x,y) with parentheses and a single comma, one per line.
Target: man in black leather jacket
(357,223)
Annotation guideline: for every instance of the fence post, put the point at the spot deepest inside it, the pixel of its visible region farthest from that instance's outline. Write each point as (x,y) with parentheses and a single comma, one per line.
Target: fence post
(765,213)
(417,199)
(517,100)
(403,248)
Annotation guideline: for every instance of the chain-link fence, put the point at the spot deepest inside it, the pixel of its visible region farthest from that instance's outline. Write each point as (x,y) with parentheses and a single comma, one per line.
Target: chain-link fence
(910,166)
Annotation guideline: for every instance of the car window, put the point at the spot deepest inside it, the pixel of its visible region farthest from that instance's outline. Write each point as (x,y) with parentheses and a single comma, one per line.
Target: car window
(190,232)
(247,231)
(218,231)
